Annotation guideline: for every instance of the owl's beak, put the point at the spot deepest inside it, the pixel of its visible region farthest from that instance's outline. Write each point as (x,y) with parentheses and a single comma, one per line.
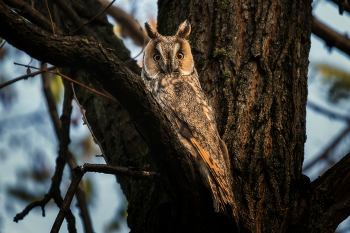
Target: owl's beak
(169,67)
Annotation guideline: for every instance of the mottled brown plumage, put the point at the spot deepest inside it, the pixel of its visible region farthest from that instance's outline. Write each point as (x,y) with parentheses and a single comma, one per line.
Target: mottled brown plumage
(169,73)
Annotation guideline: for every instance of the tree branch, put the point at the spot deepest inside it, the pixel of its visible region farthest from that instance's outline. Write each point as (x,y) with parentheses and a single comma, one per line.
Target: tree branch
(27,11)
(326,152)
(74,17)
(64,140)
(88,125)
(50,101)
(327,112)
(2,45)
(343,5)
(80,194)
(134,173)
(25,77)
(79,52)
(93,18)
(54,191)
(332,38)
(331,196)
(69,79)
(101,168)
(130,27)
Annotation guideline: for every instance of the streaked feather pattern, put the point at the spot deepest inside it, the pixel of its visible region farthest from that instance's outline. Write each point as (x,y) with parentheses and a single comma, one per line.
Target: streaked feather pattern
(174,83)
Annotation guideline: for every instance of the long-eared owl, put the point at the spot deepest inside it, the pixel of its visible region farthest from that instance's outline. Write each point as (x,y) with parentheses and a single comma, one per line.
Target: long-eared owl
(168,72)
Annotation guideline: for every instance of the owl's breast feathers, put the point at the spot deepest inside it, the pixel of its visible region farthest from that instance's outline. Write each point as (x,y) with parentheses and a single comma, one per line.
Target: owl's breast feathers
(188,109)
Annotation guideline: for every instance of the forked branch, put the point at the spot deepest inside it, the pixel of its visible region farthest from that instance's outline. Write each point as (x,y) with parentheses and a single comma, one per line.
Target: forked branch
(332,190)
(54,192)
(80,194)
(100,168)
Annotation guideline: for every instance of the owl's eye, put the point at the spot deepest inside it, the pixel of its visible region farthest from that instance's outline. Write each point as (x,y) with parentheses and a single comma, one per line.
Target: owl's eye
(157,57)
(180,56)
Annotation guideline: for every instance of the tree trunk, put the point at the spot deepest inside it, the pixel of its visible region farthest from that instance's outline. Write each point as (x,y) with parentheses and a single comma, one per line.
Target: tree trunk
(252,60)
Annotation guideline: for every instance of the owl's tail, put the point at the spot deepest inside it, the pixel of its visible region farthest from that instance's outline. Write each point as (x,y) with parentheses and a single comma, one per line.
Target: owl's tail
(217,182)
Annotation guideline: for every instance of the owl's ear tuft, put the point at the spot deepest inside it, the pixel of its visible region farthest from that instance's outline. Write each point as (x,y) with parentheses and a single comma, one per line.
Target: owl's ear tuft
(184,29)
(151,32)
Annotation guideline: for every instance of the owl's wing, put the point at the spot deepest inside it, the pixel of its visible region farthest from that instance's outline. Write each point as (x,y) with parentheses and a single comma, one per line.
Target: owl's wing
(218,172)
(195,121)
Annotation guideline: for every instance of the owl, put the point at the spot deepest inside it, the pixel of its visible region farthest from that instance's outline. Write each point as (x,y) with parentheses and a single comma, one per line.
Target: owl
(169,73)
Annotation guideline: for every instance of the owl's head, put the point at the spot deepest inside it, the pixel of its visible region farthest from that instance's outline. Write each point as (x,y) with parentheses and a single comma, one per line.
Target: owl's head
(168,55)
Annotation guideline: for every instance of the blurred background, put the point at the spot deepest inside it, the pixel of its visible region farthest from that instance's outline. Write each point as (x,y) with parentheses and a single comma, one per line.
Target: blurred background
(26,166)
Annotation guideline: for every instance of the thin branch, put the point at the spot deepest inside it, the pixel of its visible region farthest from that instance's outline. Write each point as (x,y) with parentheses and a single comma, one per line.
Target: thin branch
(26,76)
(67,200)
(50,101)
(143,45)
(327,112)
(69,79)
(136,174)
(94,17)
(81,198)
(330,37)
(3,44)
(27,11)
(73,16)
(80,194)
(61,160)
(88,125)
(325,154)
(53,27)
(54,191)
(129,28)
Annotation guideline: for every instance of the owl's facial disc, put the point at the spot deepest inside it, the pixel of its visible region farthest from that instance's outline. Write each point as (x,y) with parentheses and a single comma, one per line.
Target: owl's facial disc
(168,56)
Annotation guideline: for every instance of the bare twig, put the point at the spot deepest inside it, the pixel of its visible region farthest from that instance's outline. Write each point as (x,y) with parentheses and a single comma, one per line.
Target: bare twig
(73,16)
(325,153)
(143,45)
(137,174)
(80,194)
(327,112)
(72,80)
(64,141)
(88,125)
(129,28)
(26,76)
(50,101)
(27,11)
(54,192)
(53,27)
(332,38)
(3,44)
(66,202)
(93,18)
(134,173)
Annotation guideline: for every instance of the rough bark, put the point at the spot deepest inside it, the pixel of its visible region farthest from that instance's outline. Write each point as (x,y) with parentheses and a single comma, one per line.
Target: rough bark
(252,59)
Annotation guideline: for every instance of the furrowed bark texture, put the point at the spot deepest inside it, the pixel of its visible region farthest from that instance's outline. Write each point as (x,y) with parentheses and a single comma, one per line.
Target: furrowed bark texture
(252,60)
